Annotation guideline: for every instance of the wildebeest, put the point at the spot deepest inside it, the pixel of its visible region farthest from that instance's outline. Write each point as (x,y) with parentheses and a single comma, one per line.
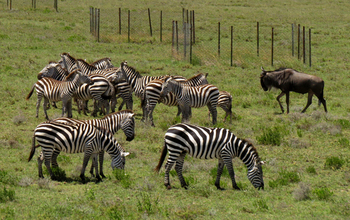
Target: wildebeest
(291,80)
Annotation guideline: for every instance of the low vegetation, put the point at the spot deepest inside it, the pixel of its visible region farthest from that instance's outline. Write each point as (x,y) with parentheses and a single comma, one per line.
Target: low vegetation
(307,165)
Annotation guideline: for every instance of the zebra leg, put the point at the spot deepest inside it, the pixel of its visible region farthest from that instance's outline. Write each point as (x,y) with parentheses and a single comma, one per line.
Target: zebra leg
(150,114)
(101,157)
(186,113)
(87,156)
(55,154)
(98,178)
(213,112)
(38,104)
(228,163)
(178,168)
(93,166)
(168,167)
(40,164)
(178,111)
(218,175)
(69,109)
(47,158)
(45,106)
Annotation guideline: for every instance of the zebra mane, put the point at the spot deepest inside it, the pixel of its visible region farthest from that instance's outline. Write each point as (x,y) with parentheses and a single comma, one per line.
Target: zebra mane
(196,76)
(97,61)
(118,112)
(72,73)
(86,63)
(253,149)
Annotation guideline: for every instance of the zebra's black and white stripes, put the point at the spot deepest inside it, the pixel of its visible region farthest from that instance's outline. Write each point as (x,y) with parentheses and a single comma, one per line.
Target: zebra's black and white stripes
(209,143)
(192,96)
(81,138)
(54,90)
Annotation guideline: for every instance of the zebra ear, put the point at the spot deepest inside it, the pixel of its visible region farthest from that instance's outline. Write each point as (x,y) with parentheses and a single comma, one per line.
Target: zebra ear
(124,154)
(262,162)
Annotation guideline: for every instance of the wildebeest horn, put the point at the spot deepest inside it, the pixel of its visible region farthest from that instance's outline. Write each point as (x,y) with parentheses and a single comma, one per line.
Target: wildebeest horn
(263,69)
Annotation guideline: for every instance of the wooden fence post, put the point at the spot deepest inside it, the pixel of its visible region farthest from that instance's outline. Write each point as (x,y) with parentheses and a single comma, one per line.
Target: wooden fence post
(55,5)
(98,25)
(257,38)
(272,47)
(150,22)
(218,38)
(310,47)
(293,40)
(161,26)
(298,41)
(304,60)
(120,21)
(193,28)
(231,45)
(177,36)
(128,26)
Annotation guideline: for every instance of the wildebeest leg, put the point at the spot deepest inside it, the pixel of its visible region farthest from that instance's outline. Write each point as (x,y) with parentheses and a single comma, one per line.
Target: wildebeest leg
(322,100)
(178,168)
(287,101)
(279,102)
(309,101)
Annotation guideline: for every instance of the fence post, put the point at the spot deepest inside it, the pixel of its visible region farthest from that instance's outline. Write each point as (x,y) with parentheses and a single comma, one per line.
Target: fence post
(293,40)
(304,60)
(150,22)
(172,37)
(161,26)
(193,28)
(55,5)
(10,4)
(218,38)
(98,25)
(298,41)
(120,21)
(190,27)
(128,26)
(272,47)
(91,21)
(177,36)
(310,47)
(185,39)
(231,45)
(257,38)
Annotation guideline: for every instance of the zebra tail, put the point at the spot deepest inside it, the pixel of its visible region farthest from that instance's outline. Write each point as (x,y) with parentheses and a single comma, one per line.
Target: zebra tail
(32,151)
(143,99)
(162,157)
(30,93)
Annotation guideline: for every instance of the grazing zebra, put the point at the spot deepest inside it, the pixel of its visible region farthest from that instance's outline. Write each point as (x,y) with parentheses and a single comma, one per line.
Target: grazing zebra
(54,90)
(78,138)
(123,120)
(209,143)
(152,94)
(225,102)
(192,96)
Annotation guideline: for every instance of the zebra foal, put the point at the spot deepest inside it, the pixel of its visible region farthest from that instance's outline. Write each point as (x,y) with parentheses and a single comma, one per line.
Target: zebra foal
(192,96)
(54,90)
(225,102)
(209,143)
(80,138)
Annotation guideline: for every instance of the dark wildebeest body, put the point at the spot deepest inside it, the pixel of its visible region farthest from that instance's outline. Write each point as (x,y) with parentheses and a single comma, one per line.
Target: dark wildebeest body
(291,80)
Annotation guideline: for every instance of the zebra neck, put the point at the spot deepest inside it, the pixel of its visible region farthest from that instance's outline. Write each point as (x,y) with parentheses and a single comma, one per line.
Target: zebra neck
(244,151)
(177,88)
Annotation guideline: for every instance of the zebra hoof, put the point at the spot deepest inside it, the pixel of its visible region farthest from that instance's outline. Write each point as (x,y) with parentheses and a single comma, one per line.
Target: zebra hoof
(236,188)
(103,176)
(168,187)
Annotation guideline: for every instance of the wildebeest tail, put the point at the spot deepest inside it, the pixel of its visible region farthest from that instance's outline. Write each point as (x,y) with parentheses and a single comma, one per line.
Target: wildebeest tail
(162,157)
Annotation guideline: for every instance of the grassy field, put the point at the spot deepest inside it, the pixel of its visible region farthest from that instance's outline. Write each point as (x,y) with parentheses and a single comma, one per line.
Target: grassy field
(307,155)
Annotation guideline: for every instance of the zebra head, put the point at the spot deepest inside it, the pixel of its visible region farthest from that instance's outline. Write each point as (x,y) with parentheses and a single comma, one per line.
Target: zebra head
(167,86)
(48,70)
(128,126)
(255,174)
(119,161)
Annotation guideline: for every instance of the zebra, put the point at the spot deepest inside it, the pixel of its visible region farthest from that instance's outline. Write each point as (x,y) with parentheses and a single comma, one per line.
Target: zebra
(101,91)
(138,82)
(152,93)
(103,63)
(208,143)
(53,70)
(225,102)
(68,62)
(113,122)
(118,80)
(54,90)
(77,138)
(192,96)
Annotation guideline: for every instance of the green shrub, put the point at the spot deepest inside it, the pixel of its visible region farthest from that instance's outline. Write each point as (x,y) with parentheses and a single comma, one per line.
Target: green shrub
(345,124)
(302,192)
(261,205)
(344,142)
(272,136)
(334,163)
(323,193)
(122,177)
(7,195)
(311,169)
(146,204)
(285,177)
(59,173)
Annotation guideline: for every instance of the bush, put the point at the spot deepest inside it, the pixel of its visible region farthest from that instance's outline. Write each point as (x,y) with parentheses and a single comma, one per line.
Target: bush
(270,136)
(260,204)
(344,142)
(311,169)
(334,163)
(122,177)
(302,192)
(7,195)
(285,177)
(323,193)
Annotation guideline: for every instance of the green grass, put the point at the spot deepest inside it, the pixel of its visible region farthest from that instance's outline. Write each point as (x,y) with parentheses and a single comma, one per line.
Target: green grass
(307,167)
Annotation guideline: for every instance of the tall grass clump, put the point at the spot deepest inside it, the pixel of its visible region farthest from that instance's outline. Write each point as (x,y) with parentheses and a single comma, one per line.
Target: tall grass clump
(6,195)
(334,163)
(122,178)
(302,192)
(272,136)
(323,193)
(284,178)
(146,203)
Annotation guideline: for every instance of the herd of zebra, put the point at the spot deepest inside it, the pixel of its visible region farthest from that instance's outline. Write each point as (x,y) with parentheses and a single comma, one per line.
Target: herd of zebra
(75,79)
